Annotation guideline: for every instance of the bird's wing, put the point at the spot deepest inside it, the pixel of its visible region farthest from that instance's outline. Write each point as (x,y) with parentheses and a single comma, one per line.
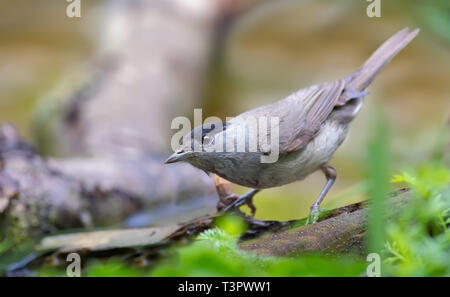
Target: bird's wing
(318,101)
(300,115)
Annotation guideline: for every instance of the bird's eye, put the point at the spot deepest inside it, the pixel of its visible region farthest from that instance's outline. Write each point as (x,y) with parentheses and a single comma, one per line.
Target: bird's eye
(207,139)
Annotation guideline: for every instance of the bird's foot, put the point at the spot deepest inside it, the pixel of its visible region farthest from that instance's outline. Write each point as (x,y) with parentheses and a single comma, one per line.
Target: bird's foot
(246,199)
(314,215)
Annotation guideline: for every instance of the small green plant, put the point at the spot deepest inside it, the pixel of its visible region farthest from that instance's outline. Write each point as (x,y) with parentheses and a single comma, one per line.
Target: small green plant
(418,241)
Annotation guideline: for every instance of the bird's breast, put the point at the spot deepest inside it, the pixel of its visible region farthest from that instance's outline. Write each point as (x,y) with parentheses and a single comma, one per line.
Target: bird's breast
(247,170)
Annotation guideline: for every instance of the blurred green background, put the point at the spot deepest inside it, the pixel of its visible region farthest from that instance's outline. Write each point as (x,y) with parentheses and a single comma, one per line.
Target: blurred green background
(273,49)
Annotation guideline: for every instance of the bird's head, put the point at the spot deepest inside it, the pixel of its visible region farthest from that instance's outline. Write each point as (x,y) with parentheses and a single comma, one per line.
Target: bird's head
(198,146)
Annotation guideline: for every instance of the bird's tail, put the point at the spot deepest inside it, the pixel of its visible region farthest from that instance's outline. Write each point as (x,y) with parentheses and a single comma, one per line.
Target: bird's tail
(362,78)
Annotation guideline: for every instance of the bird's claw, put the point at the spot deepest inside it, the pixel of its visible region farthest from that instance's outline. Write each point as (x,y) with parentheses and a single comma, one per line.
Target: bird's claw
(244,199)
(314,215)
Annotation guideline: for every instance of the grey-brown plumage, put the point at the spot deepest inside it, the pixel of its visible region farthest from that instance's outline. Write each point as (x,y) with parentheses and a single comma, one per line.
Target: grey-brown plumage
(313,122)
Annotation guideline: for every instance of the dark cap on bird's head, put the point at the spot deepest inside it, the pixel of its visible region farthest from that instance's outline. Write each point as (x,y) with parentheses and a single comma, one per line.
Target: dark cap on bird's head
(200,140)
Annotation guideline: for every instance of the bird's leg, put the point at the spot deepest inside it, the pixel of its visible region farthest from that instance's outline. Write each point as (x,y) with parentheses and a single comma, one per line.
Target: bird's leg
(330,174)
(247,198)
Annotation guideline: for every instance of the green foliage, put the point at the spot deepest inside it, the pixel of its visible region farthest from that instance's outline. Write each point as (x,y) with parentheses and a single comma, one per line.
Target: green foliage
(231,224)
(377,184)
(14,255)
(112,268)
(418,241)
(213,255)
(426,180)
(5,245)
(51,272)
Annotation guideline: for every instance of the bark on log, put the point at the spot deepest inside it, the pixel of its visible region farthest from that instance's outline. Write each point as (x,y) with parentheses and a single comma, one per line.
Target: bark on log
(341,232)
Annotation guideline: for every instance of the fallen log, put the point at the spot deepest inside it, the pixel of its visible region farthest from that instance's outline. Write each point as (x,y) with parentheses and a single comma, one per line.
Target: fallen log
(339,231)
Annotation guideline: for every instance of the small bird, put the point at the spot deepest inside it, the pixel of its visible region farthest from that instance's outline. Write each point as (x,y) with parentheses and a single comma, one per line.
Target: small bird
(312,123)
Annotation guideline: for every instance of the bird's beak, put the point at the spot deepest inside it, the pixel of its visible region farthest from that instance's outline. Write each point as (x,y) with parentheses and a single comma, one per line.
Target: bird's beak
(178,156)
